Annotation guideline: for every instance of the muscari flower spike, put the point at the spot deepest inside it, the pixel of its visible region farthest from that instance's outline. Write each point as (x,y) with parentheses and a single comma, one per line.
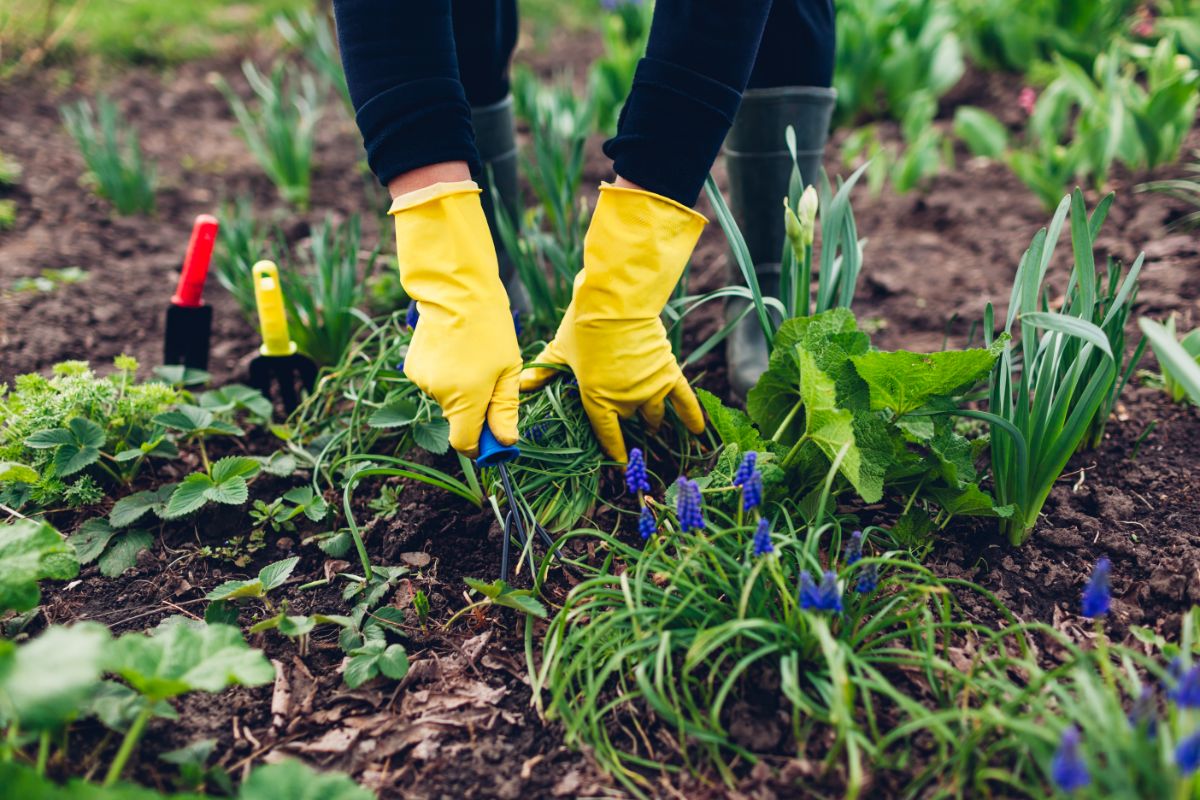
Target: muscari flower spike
(688,505)
(1187,754)
(636,479)
(868,579)
(647,525)
(1097,595)
(1186,693)
(1143,713)
(1068,769)
(412,315)
(762,539)
(752,492)
(853,551)
(826,596)
(517,326)
(746,469)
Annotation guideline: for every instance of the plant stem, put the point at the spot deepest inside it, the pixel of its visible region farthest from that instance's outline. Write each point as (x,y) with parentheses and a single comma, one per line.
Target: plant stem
(791,454)
(43,754)
(804,287)
(204,456)
(791,415)
(128,743)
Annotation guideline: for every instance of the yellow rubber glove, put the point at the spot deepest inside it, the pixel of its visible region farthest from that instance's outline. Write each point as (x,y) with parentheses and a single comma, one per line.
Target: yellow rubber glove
(612,336)
(464,352)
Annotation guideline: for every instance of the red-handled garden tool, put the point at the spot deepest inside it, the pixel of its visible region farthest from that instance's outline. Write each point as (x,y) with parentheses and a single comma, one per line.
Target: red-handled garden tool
(278,365)
(189,320)
(494,454)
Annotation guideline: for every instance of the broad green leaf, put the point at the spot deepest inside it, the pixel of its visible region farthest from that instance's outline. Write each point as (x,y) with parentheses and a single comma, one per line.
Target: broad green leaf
(913,528)
(268,624)
(234,467)
(275,575)
(122,552)
(44,683)
(221,612)
(129,510)
(231,491)
(501,594)
(235,590)
(831,428)
(280,463)
(394,415)
(432,435)
(31,551)
(182,656)
(393,662)
(983,134)
(189,495)
(91,538)
(969,501)
(10,471)
(116,706)
(293,626)
(53,437)
(296,781)
(1173,358)
(955,457)
(185,418)
(362,666)
(903,382)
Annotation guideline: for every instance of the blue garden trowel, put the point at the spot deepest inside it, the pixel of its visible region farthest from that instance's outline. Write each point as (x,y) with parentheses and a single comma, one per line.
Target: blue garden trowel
(494,454)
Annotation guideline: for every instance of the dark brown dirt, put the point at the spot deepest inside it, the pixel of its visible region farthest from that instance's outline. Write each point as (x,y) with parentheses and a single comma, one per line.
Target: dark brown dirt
(462,724)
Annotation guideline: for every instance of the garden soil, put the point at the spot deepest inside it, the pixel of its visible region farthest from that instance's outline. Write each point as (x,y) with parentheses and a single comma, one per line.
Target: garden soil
(462,725)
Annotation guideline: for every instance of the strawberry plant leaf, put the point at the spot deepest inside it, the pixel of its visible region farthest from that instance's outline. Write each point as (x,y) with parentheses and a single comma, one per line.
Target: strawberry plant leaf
(31,551)
(234,467)
(116,705)
(44,683)
(235,590)
(279,464)
(395,414)
(182,656)
(129,510)
(969,501)
(432,435)
(296,781)
(231,491)
(188,496)
(501,594)
(362,666)
(221,612)
(275,575)
(393,662)
(122,552)
(296,626)
(185,418)
(53,437)
(91,539)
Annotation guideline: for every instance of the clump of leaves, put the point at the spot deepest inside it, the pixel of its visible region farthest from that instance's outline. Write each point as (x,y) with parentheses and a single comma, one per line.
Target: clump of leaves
(110,148)
(1179,359)
(280,514)
(10,170)
(279,128)
(74,429)
(877,419)
(365,638)
(115,549)
(50,279)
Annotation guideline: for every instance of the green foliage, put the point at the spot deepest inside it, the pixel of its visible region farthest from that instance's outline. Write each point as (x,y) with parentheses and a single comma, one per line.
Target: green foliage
(281,512)
(10,170)
(113,155)
(279,129)
(87,426)
(312,34)
(375,657)
(44,683)
(116,549)
(227,481)
(269,577)
(50,279)
(8,214)
(1055,384)
(322,301)
(1179,360)
(31,551)
(1186,189)
(878,420)
(499,593)
(624,33)
(242,241)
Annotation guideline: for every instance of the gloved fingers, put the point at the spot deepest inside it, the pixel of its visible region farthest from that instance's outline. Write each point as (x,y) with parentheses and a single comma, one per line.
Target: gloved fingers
(654,409)
(607,426)
(533,378)
(687,406)
(502,411)
(466,422)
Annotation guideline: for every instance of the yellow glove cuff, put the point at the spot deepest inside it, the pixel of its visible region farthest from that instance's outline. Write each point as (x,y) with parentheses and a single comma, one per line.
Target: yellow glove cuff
(432,192)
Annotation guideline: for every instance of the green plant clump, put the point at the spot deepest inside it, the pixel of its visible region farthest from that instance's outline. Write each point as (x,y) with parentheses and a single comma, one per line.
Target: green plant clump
(75,430)
(113,155)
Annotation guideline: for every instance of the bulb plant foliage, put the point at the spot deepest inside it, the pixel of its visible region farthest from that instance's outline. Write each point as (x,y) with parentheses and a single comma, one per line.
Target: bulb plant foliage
(113,155)
(1058,381)
(713,616)
(1178,359)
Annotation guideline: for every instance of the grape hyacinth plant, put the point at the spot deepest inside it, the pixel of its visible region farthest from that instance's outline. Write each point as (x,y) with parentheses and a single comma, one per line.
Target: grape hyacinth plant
(825,596)
(762,539)
(1068,769)
(1097,595)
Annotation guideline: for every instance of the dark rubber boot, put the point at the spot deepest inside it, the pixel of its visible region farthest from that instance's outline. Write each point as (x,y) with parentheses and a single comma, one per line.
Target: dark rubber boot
(496,140)
(760,168)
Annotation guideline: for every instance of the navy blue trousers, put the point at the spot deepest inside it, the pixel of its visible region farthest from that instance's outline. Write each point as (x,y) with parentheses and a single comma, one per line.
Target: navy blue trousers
(415,68)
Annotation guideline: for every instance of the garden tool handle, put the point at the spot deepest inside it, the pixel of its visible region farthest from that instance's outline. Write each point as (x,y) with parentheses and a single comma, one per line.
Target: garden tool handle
(272,318)
(491,452)
(195,262)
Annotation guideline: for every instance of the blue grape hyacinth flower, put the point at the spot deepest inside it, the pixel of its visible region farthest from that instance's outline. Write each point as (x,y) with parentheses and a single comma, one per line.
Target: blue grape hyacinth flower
(1097,595)
(1186,693)
(647,524)
(752,492)
(1068,769)
(853,551)
(636,479)
(1187,754)
(868,579)
(762,539)
(1144,712)
(412,315)
(825,596)
(746,469)
(688,505)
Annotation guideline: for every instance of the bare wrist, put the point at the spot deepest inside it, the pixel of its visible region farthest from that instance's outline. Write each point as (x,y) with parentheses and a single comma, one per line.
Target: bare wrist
(419,178)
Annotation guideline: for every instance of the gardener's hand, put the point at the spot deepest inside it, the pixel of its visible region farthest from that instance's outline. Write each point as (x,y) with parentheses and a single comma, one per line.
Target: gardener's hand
(464,351)
(611,335)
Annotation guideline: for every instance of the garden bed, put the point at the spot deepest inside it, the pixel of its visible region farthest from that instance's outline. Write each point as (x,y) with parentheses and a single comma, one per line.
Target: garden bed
(461,724)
